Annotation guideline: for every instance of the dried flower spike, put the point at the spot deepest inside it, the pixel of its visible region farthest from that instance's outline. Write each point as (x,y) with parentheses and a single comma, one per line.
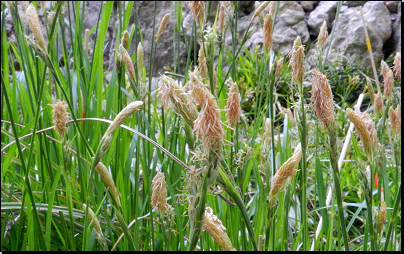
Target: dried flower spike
(272,8)
(388,79)
(198,11)
(33,21)
(163,24)
(222,16)
(288,169)
(321,97)
(260,9)
(381,219)
(267,33)
(297,55)
(108,181)
(365,128)
(233,108)
(279,65)
(159,193)
(397,65)
(128,62)
(378,105)
(215,228)
(323,35)
(60,117)
(395,119)
(202,62)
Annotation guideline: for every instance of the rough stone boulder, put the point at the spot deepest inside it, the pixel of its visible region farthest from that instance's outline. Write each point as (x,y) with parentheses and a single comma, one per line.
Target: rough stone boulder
(324,11)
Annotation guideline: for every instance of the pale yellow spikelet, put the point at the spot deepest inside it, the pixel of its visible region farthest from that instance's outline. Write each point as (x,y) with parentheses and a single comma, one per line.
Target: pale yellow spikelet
(172,94)
(222,16)
(290,116)
(60,117)
(128,62)
(233,108)
(108,181)
(397,65)
(323,35)
(125,113)
(287,170)
(125,39)
(159,193)
(202,62)
(266,134)
(163,24)
(208,125)
(215,228)
(267,33)
(139,57)
(198,10)
(395,119)
(388,79)
(378,105)
(371,91)
(33,21)
(296,60)
(365,128)
(279,65)
(321,97)
(260,9)
(96,224)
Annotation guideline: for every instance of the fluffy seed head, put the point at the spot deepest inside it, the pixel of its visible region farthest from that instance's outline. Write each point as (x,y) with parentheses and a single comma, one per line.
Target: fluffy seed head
(272,8)
(60,117)
(222,16)
(233,109)
(388,79)
(128,62)
(108,181)
(159,193)
(371,91)
(321,97)
(288,169)
(378,105)
(323,35)
(198,10)
(279,65)
(163,24)
(395,119)
(33,21)
(260,9)
(202,62)
(397,65)
(267,33)
(365,128)
(297,55)
(172,94)
(215,228)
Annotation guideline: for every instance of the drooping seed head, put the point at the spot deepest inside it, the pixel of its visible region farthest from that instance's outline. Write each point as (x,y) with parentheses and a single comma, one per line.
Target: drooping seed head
(365,128)
(233,108)
(397,65)
(287,170)
(91,216)
(378,105)
(388,79)
(60,117)
(296,60)
(163,24)
(260,9)
(322,99)
(125,113)
(323,35)
(33,22)
(267,33)
(108,181)
(395,119)
(215,228)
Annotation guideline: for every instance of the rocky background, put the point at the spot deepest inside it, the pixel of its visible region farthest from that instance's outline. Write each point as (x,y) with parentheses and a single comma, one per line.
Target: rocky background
(295,18)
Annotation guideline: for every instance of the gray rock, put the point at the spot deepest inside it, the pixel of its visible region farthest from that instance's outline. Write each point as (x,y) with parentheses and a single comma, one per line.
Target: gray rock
(289,24)
(354,3)
(349,37)
(397,30)
(324,11)
(308,5)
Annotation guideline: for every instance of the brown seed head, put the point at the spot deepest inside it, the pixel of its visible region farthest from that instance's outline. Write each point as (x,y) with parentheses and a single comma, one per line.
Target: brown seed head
(125,39)
(378,105)
(108,181)
(202,62)
(397,65)
(215,228)
(172,94)
(163,24)
(395,119)
(233,109)
(272,8)
(33,21)
(388,79)
(297,55)
(159,193)
(279,65)
(365,128)
(198,10)
(128,62)
(60,117)
(222,16)
(321,97)
(267,33)
(381,219)
(288,169)
(323,35)
(260,9)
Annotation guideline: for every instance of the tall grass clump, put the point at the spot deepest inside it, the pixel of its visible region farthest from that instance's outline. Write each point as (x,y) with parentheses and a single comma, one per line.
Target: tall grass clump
(228,148)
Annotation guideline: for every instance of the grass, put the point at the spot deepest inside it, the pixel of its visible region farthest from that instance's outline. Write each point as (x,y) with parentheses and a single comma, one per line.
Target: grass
(52,197)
